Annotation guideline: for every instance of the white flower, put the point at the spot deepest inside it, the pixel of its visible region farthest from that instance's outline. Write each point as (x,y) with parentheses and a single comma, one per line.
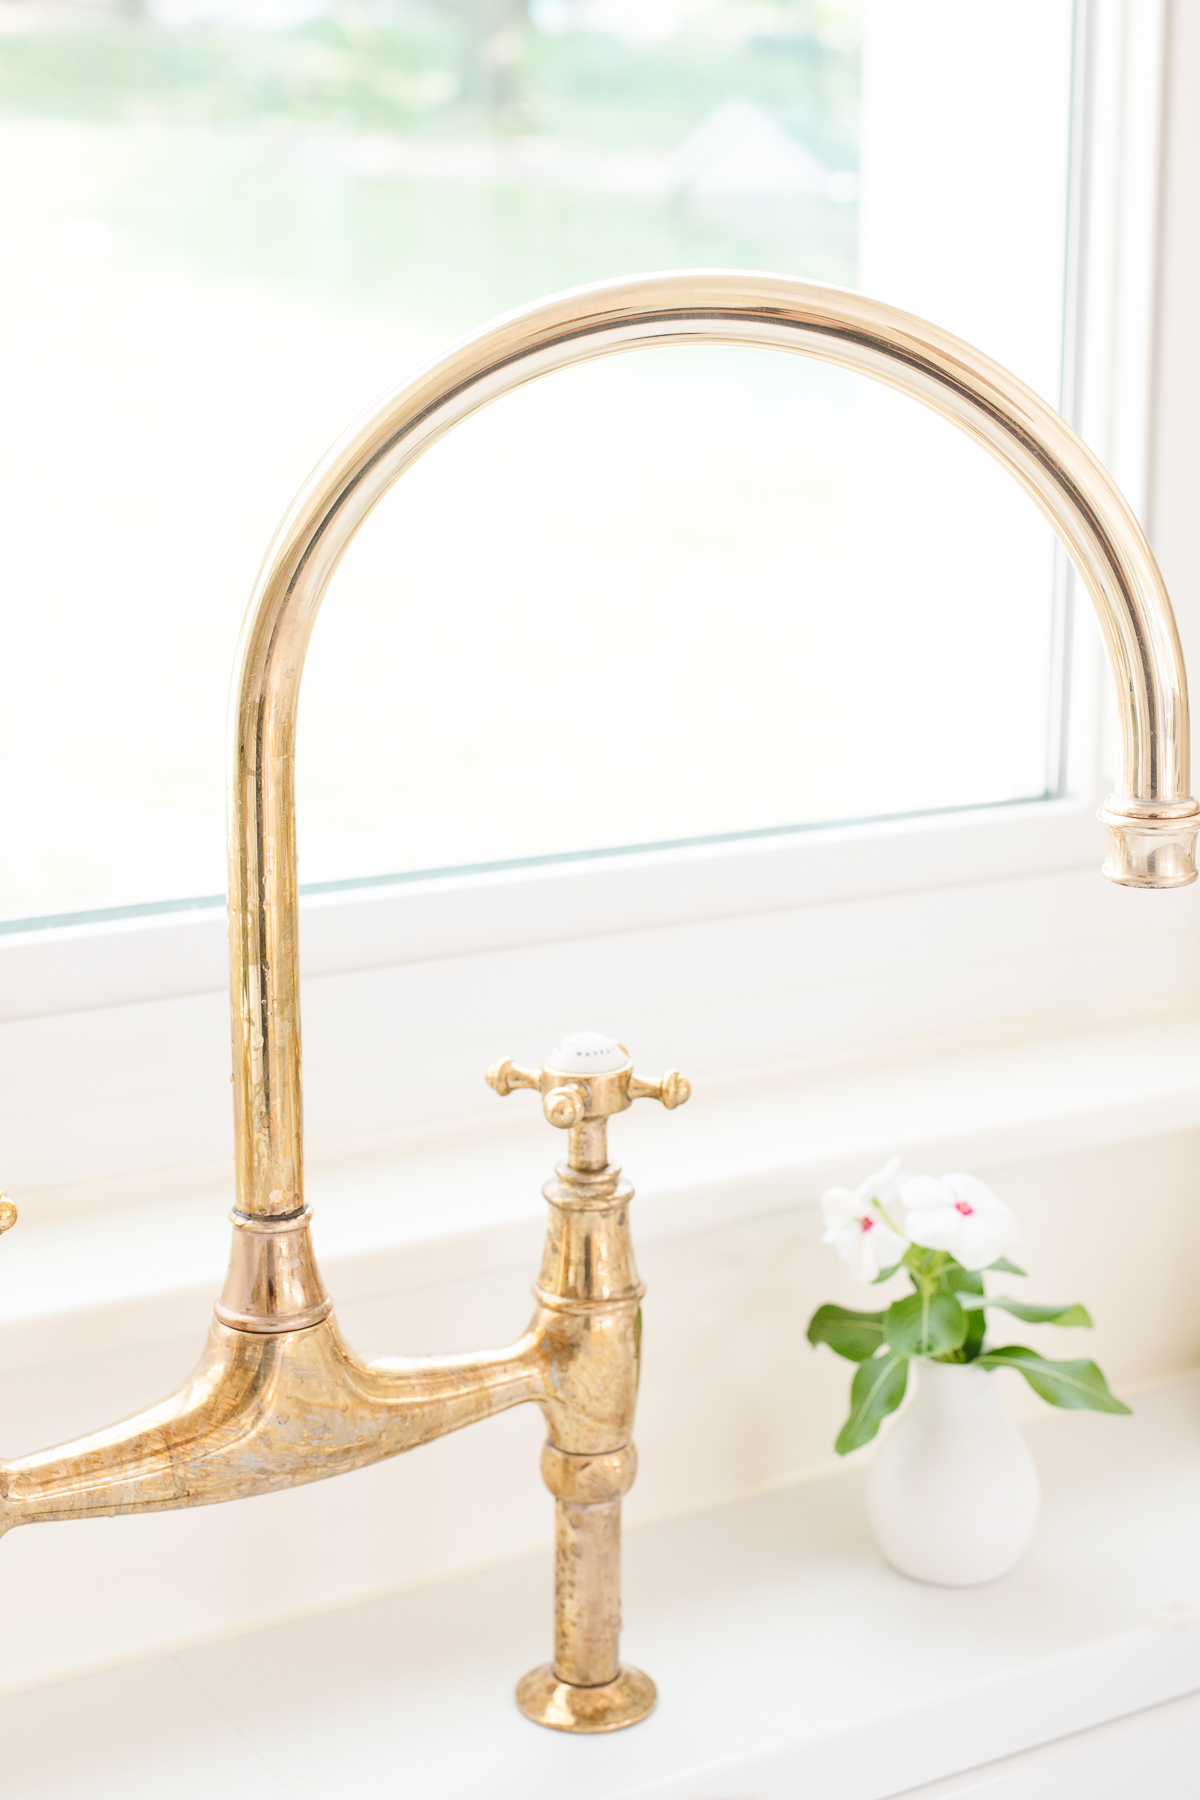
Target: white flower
(960,1215)
(857,1226)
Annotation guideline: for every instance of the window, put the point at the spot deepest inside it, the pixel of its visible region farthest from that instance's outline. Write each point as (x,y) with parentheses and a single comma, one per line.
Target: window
(722,593)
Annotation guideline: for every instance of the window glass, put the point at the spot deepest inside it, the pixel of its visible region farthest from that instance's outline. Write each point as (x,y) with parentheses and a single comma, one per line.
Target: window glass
(675,595)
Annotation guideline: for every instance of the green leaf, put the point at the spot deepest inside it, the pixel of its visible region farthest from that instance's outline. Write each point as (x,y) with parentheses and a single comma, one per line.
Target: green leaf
(973,1342)
(967,1286)
(854,1335)
(885,1274)
(925,1325)
(877,1389)
(1005,1267)
(1037,1315)
(1078,1385)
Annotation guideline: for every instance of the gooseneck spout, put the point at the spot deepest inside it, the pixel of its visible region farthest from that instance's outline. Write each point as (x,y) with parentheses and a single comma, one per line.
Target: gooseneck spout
(1151,820)
(278,1398)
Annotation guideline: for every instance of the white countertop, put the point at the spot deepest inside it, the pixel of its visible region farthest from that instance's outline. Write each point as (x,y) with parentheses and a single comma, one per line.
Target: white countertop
(789,1659)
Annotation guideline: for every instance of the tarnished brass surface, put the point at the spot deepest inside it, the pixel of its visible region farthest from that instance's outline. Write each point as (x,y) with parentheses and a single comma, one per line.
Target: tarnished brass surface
(277,1397)
(266,1410)
(546,1700)
(588,1292)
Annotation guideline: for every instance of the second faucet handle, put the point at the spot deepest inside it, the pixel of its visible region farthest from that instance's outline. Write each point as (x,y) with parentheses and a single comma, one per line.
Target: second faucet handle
(673,1089)
(587,1075)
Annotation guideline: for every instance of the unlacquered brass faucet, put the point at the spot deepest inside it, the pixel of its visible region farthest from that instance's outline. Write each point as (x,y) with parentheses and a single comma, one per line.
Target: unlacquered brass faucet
(277,1398)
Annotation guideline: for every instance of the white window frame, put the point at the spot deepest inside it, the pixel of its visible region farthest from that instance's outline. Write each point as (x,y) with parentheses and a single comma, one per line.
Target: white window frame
(113,1034)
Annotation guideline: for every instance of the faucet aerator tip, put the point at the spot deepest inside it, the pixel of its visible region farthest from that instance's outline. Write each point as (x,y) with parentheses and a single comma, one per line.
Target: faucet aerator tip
(1150,847)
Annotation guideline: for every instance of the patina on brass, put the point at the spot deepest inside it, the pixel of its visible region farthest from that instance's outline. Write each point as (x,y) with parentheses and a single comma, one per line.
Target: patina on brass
(589,1296)
(278,1398)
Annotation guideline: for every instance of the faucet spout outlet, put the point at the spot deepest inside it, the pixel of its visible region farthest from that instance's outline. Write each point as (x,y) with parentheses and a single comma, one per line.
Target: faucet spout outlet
(1150,845)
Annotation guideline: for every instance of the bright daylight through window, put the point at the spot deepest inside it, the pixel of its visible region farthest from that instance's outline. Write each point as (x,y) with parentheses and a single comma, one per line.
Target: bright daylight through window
(663,597)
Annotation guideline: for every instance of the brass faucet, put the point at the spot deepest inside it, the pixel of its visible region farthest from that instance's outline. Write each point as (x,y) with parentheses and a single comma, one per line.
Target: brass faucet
(278,1398)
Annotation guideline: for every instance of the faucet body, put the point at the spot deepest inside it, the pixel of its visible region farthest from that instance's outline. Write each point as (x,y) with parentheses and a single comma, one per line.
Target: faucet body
(277,1397)
(262,1411)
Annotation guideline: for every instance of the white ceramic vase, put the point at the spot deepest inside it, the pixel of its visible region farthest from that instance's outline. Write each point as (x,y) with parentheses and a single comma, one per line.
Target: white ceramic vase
(953,1491)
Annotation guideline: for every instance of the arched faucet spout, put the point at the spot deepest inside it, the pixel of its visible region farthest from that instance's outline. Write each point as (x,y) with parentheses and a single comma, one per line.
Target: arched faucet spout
(1151,821)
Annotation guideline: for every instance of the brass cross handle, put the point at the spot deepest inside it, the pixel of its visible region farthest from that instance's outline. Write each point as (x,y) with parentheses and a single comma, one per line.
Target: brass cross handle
(8,1214)
(587,1076)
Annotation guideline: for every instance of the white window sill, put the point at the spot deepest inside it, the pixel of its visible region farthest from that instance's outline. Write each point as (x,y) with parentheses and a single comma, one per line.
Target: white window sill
(120,961)
(129,1261)
(789,1660)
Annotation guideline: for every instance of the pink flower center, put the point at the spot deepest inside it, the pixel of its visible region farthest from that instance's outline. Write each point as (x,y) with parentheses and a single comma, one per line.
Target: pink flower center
(963,1207)
(867,1224)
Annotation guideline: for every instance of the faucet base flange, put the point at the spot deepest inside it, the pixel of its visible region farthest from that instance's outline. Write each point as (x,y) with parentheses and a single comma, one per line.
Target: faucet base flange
(562,1706)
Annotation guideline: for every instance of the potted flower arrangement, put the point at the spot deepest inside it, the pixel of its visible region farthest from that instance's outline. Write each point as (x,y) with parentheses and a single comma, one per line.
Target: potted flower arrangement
(953,1491)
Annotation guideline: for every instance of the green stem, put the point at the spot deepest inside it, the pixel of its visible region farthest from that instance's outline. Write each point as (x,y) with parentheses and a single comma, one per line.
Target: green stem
(926,1269)
(881,1209)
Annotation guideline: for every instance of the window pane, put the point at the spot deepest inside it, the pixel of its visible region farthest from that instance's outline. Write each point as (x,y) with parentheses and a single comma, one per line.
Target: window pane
(626,605)
(674,595)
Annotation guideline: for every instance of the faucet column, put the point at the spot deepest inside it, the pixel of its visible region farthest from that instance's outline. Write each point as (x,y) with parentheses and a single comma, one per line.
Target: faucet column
(588,1491)
(589,1295)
